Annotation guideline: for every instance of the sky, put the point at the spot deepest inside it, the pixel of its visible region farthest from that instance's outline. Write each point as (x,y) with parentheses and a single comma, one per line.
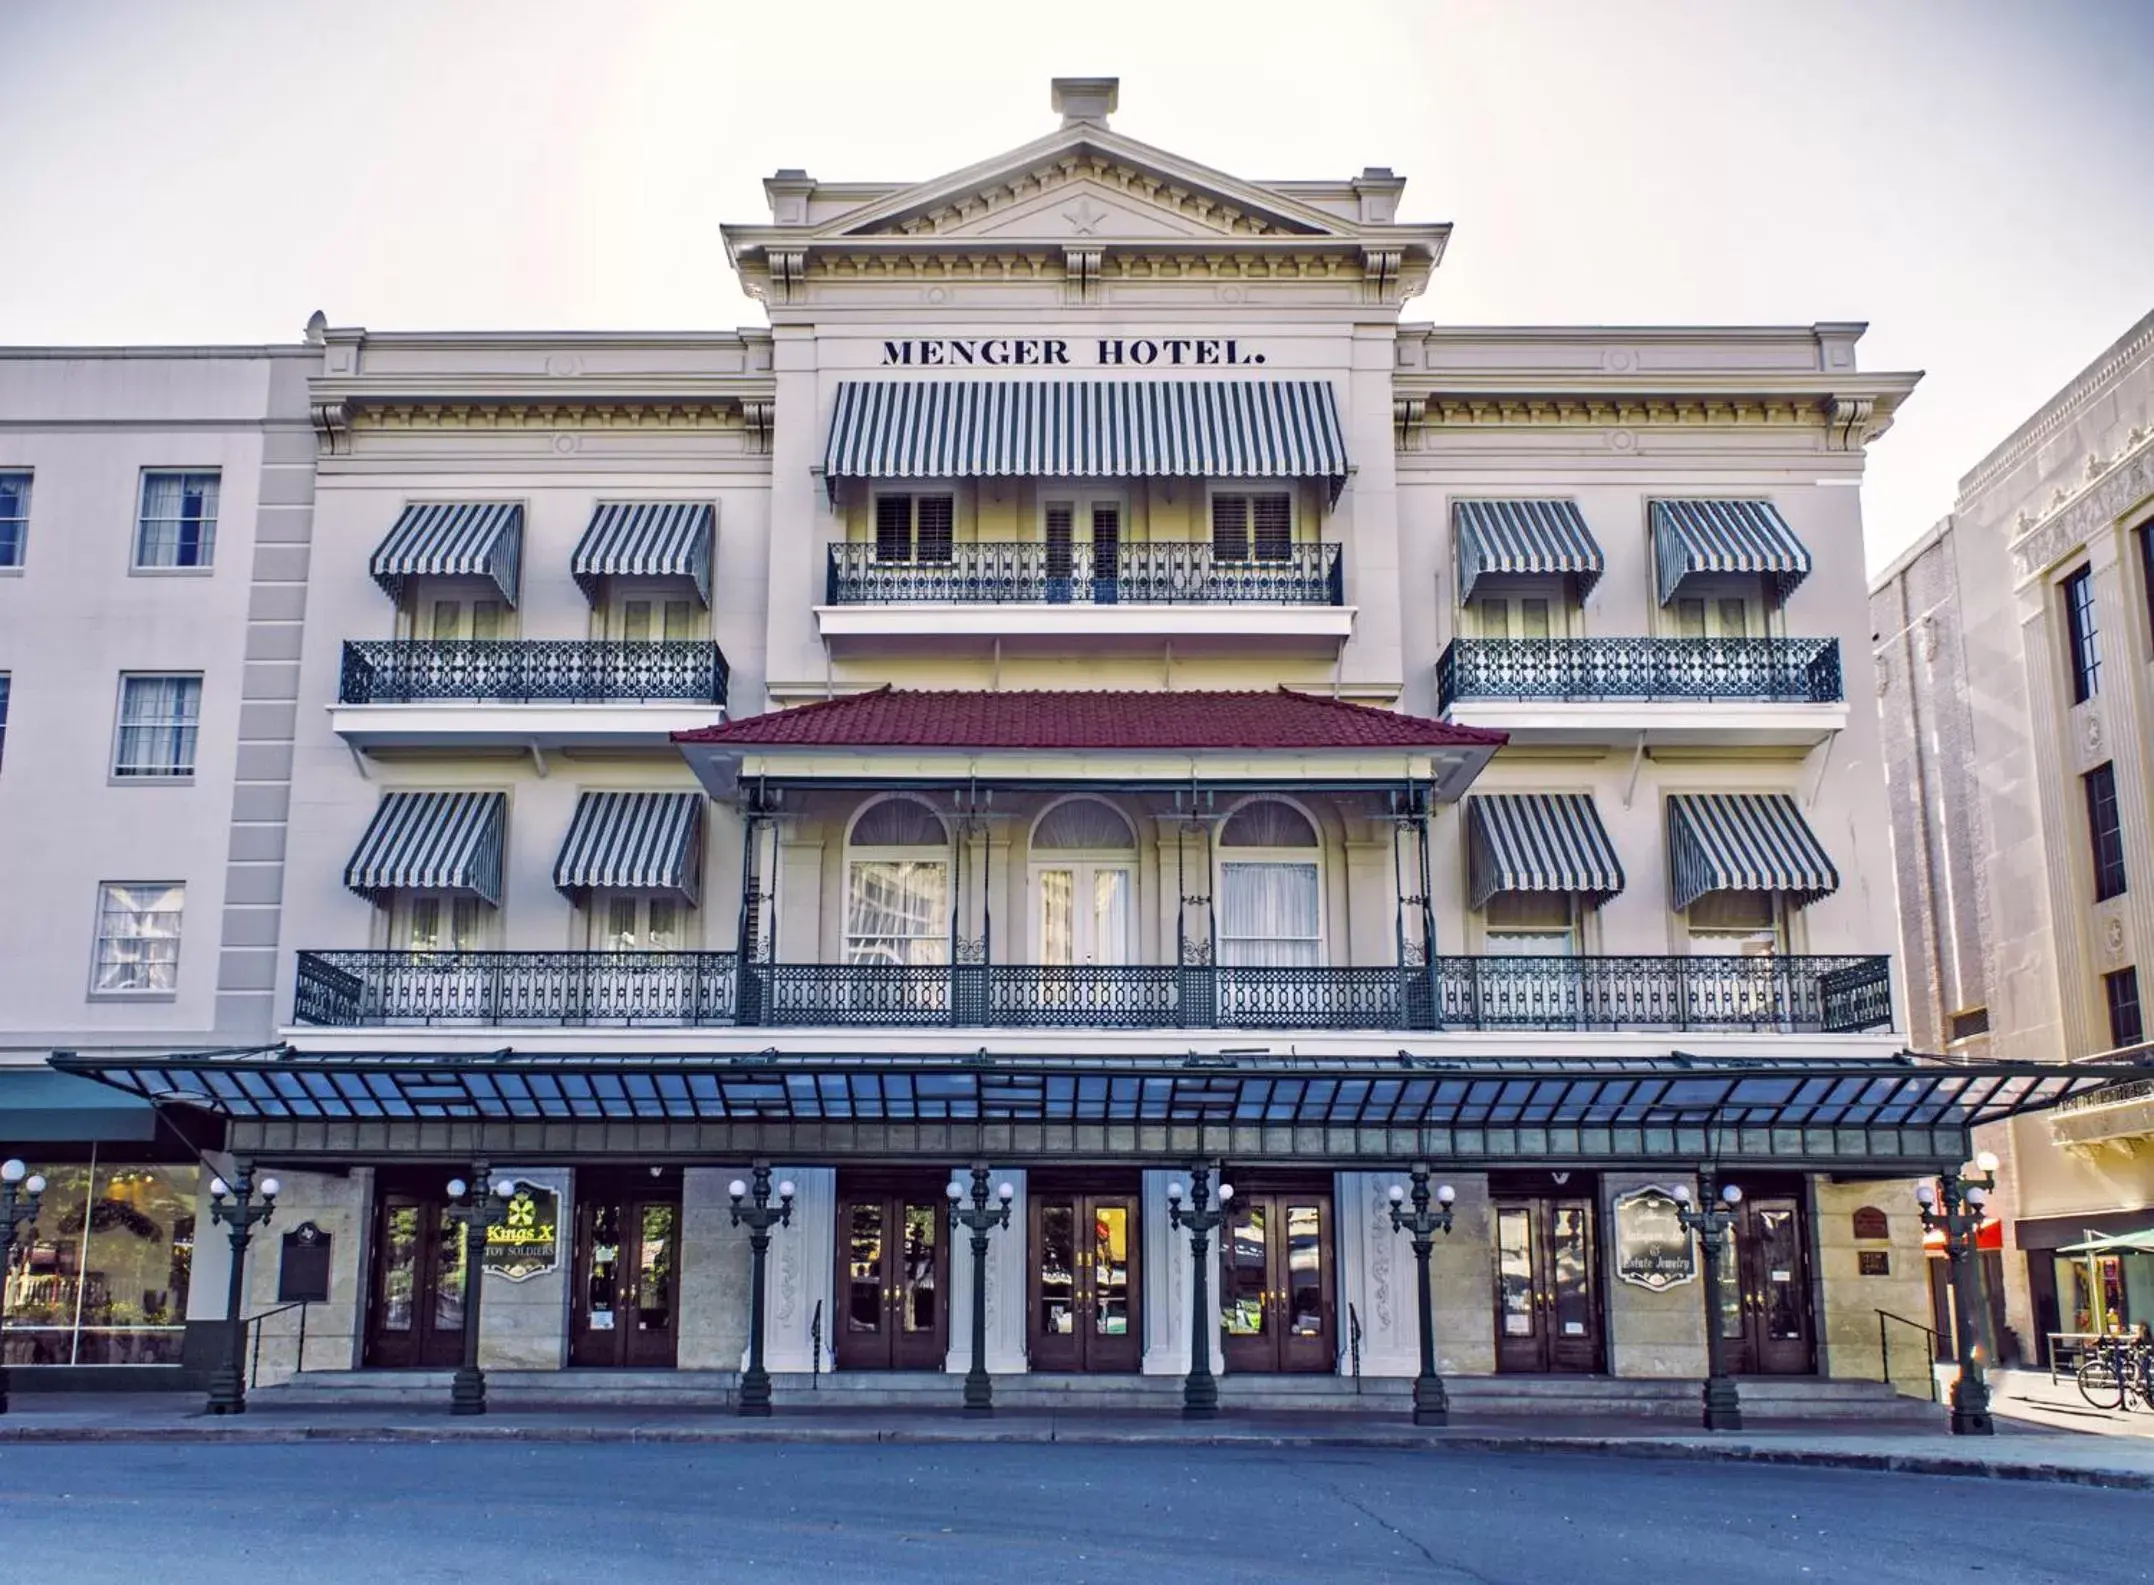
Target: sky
(1968,176)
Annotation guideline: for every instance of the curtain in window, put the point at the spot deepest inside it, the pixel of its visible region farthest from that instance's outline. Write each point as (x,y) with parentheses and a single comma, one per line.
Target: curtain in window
(1267,915)
(14,516)
(897,912)
(138,938)
(158,718)
(179,520)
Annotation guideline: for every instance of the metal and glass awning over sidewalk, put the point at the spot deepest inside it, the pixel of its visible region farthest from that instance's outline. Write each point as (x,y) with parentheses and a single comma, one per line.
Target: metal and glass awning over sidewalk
(1908,1113)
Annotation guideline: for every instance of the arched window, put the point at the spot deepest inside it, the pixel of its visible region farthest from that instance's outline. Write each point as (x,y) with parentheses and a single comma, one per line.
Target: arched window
(1270,913)
(897,885)
(1084,885)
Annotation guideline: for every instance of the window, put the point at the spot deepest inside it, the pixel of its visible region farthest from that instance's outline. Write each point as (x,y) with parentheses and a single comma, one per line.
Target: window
(2082,635)
(138,937)
(2104,832)
(2121,990)
(1084,869)
(448,619)
(438,922)
(1269,914)
(1501,617)
(2145,536)
(1734,924)
(643,621)
(1969,1022)
(636,922)
(1530,925)
(14,517)
(6,687)
(1253,527)
(159,717)
(100,1278)
(1721,618)
(178,524)
(897,886)
(914,528)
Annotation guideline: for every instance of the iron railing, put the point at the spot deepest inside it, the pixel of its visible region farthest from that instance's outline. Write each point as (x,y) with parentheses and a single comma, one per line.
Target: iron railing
(1791,994)
(1180,572)
(1772,670)
(532,670)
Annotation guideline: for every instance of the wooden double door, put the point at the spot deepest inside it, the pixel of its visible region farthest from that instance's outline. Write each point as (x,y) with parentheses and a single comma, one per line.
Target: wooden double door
(1085,1298)
(1277,1280)
(893,1277)
(1766,1325)
(625,1302)
(1548,1292)
(415,1298)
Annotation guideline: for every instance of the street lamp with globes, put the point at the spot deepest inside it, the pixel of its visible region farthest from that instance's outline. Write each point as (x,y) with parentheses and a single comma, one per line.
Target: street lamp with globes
(1200,1391)
(752,1208)
(235,1205)
(1431,1405)
(20,1192)
(475,1210)
(978,1218)
(1957,1212)
(1713,1225)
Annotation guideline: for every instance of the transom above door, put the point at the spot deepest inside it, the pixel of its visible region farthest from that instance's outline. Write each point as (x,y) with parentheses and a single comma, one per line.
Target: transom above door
(1084,886)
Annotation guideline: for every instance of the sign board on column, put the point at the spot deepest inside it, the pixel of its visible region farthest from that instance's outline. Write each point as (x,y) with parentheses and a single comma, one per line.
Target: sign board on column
(526,1242)
(1652,1247)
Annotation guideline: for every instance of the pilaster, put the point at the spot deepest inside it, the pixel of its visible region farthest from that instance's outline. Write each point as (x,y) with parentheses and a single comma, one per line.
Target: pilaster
(713,1284)
(802,1276)
(524,1325)
(1167,1291)
(1006,1284)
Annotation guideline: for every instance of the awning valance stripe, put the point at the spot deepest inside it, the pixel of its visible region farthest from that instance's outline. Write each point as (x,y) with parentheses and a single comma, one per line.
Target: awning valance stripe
(1524,536)
(632,841)
(1102,429)
(1745,842)
(452,539)
(1691,537)
(432,842)
(1541,842)
(646,539)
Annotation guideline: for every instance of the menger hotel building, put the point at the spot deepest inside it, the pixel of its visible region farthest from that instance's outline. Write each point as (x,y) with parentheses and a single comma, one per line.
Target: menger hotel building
(1090,689)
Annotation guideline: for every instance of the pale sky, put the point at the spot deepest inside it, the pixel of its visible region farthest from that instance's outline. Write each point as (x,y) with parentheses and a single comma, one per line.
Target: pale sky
(1972,177)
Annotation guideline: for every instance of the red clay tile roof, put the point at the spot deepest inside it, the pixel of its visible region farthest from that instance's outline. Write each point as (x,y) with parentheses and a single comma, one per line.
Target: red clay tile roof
(894,718)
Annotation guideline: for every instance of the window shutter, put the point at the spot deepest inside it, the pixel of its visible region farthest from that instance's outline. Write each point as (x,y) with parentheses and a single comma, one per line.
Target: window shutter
(935,516)
(1230,528)
(893,528)
(1274,523)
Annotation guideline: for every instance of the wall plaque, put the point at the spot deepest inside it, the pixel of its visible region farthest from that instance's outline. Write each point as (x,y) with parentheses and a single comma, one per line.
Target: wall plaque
(1652,1247)
(1874,1262)
(1870,1222)
(303,1266)
(526,1242)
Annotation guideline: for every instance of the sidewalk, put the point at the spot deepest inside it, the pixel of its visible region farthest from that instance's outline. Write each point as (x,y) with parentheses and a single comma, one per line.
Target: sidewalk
(2020,1450)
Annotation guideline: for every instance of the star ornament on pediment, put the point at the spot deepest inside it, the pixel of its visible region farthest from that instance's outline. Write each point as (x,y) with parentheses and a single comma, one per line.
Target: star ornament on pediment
(1084,217)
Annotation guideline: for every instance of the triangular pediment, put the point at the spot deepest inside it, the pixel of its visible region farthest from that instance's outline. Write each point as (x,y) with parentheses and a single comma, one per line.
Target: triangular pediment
(1086,182)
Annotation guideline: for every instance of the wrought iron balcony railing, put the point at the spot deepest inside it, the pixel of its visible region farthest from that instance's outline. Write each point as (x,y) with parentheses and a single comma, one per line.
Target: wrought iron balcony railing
(1771,670)
(532,671)
(1035,573)
(1790,994)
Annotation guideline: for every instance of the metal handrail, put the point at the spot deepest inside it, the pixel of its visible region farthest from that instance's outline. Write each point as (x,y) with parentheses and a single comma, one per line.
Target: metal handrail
(1083,572)
(1884,1349)
(2108,1095)
(533,671)
(254,1341)
(1776,670)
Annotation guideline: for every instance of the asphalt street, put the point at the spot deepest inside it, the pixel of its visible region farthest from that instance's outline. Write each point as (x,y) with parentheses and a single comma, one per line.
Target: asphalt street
(504,1514)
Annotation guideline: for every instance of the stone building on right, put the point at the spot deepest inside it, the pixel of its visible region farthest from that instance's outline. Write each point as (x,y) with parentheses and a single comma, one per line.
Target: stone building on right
(2015,675)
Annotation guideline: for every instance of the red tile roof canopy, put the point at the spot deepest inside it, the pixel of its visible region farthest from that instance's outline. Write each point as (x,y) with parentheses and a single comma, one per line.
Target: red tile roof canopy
(1091,722)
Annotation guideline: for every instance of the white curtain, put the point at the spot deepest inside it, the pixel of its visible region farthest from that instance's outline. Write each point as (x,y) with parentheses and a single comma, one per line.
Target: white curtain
(1110,916)
(897,911)
(179,520)
(158,717)
(138,938)
(1267,915)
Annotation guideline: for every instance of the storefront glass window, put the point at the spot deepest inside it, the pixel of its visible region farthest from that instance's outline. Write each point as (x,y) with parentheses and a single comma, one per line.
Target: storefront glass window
(100,1278)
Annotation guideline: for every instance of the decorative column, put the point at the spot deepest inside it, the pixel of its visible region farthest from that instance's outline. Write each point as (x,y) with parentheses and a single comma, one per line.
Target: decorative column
(1007,1288)
(800,1305)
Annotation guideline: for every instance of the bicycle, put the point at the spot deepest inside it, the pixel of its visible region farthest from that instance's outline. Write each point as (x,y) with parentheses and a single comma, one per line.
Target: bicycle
(2114,1369)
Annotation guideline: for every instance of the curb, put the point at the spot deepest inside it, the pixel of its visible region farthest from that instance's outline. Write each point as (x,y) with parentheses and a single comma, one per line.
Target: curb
(959,1435)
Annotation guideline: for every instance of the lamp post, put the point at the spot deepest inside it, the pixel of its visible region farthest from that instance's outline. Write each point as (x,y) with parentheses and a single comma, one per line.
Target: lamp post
(19,1198)
(474,1206)
(235,1205)
(1957,1213)
(1431,1405)
(979,1391)
(1200,1392)
(1713,1224)
(760,1217)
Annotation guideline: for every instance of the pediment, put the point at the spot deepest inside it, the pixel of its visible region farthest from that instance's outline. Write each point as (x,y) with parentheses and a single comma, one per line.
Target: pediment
(1086,182)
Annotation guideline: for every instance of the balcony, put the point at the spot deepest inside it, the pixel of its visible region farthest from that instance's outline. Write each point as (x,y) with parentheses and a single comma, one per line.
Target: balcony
(2116,1120)
(1176,589)
(1783,691)
(535,693)
(1798,995)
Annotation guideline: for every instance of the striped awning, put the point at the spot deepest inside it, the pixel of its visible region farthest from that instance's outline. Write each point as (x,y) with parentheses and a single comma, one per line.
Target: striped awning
(646,539)
(1528,536)
(1745,842)
(432,842)
(1541,842)
(452,539)
(1096,429)
(633,841)
(1726,536)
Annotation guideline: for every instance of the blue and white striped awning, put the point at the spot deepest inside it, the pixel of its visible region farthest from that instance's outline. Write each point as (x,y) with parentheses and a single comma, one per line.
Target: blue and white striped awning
(646,539)
(432,842)
(1745,842)
(1523,536)
(634,842)
(1093,429)
(452,539)
(1726,536)
(1541,842)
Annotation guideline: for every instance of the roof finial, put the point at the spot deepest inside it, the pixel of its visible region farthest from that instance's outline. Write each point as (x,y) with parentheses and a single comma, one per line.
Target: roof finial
(1085,99)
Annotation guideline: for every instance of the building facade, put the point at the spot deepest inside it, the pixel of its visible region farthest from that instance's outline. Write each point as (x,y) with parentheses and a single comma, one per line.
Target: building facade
(1088,689)
(2012,642)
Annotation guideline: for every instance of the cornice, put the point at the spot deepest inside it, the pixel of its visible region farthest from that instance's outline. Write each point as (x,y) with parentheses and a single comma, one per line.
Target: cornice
(2073,519)
(1851,410)
(2061,409)
(339,406)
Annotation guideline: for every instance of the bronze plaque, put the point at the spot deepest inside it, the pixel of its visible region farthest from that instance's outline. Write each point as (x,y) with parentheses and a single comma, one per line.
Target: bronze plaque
(1652,1247)
(1870,1223)
(1874,1262)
